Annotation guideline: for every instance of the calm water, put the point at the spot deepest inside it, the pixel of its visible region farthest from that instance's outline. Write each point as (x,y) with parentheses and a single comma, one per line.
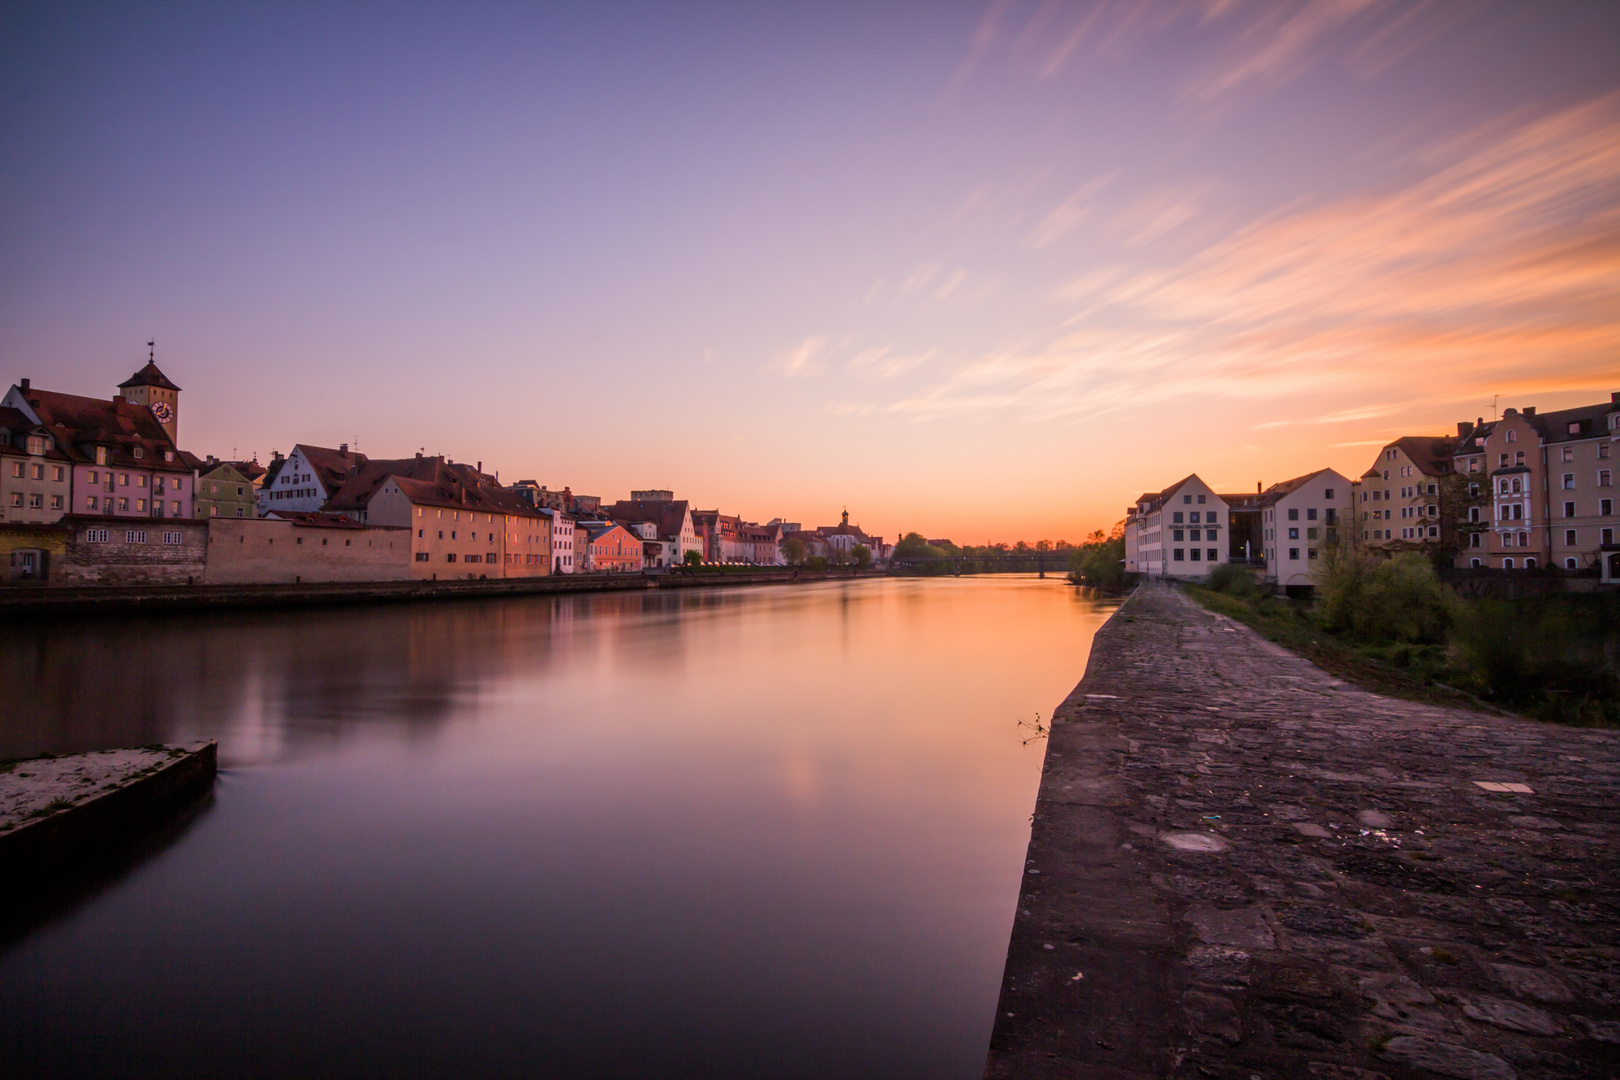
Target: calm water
(733,833)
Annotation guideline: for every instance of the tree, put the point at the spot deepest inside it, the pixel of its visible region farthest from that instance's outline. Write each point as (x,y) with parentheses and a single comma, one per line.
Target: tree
(793,550)
(863,556)
(816,562)
(1100,561)
(692,558)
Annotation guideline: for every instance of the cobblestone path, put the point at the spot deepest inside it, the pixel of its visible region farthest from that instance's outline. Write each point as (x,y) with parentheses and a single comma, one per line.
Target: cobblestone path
(1242,867)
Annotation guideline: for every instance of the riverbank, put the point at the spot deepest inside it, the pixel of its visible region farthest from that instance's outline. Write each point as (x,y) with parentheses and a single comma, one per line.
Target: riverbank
(1240,865)
(56,812)
(67,599)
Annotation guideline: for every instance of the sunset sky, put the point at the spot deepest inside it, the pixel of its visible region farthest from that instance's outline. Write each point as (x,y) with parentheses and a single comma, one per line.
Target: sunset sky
(983,272)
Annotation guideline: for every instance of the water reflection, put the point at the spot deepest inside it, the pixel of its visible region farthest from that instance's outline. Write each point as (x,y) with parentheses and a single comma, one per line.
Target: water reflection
(713,833)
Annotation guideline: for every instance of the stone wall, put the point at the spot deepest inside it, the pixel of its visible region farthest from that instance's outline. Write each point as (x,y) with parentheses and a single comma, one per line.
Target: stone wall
(131,551)
(265,551)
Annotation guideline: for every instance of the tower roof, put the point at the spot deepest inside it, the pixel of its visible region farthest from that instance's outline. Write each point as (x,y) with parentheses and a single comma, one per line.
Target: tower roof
(149,376)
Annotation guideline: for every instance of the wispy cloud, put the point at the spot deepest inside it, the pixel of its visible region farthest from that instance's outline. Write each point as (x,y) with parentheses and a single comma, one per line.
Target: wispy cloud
(1068,214)
(883,363)
(802,360)
(1498,267)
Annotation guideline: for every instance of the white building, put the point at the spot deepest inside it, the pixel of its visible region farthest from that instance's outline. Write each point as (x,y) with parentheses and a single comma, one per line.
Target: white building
(305,479)
(1181,532)
(1300,517)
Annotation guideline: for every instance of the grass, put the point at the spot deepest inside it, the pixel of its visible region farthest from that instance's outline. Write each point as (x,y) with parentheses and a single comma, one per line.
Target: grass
(1411,672)
(1542,659)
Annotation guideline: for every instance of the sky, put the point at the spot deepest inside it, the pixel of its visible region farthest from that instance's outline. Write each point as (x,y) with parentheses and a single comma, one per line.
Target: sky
(987,272)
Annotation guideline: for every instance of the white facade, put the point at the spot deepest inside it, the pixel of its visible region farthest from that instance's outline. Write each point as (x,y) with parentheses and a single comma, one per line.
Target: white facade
(296,488)
(1183,532)
(1298,519)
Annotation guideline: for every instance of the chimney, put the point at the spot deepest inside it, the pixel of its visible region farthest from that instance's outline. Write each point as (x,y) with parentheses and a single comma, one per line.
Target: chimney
(1614,398)
(1257,488)
(419,455)
(1463,428)
(480,466)
(1531,411)
(23,386)
(343,448)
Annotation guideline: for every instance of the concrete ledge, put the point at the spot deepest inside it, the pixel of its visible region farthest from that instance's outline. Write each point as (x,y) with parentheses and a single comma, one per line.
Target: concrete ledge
(128,794)
(68,599)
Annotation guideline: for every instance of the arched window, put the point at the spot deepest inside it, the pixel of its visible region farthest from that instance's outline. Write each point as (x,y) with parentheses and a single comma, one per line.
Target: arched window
(1507,564)
(1530,562)
(1512,436)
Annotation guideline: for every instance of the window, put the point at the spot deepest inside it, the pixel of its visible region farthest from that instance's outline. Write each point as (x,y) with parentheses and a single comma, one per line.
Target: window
(1507,564)
(1193,517)
(1179,555)
(1310,553)
(36,501)
(1178,535)
(1569,537)
(96,536)
(1574,429)
(1310,534)
(56,502)
(421,556)
(1605,478)
(1569,453)
(1569,481)
(1518,459)
(1214,555)
(1603,449)
(1310,514)
(123,505)
(1187,499)
(135,536)
(213,511)
(450,557)
(16,499)
(168,455)
(1195,554)
(1504,461)
(1607,536)
(1569,509)
(139,452)
(1569,564)
(1474,563)
(140,506)
(90,502)
(240,511)
(36,472)
(1512,436)
(1293,515)
(101,455)
(1293,534)
(1530,562)
(57,473)
(1293,553)
(1209,517)
(174,538)
(1177,517)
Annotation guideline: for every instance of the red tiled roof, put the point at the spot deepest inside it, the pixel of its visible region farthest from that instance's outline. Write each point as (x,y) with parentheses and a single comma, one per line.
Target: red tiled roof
(668,517)
(120,426)
(149,376)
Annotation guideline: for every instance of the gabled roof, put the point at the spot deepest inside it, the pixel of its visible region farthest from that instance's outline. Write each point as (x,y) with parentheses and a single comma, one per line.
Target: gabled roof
(224,470)
(315,519)
(1465,444)
(1592,420)
(116,424)
(149,376)
(332,468)
(1277,491)
(20,425)
(430,481)
(668,517)
(1430,453)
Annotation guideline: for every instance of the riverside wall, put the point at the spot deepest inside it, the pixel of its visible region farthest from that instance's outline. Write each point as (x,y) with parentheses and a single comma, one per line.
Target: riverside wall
(53,599)
(1241,867)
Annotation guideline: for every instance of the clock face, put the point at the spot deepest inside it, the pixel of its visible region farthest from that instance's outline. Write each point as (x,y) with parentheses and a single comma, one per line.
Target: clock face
(163,411)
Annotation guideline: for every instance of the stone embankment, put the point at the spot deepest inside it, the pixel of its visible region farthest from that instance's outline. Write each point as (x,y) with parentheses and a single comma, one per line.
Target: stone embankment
(1241,867)
(50,599)
(57,812)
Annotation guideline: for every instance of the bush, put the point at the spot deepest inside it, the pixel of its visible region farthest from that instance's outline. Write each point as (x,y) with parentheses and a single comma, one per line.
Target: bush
(1100,561)
(1398,599)
(1234,581)
(816,562)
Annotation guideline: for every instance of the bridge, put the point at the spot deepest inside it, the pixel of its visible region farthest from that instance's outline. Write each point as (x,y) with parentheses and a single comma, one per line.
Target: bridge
(1043,562)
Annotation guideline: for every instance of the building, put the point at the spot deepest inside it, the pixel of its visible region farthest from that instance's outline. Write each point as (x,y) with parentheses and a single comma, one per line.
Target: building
(1177,532)
(1399,501)
(561,534)
(1299,518)
(36,475)
(29,552)
(1515,483)
(844,538)
(306,479)
(610,548)
(224,491)
(671,521)
(120,455)
(1578,448)
(303,548)
(763,544)
(653,495)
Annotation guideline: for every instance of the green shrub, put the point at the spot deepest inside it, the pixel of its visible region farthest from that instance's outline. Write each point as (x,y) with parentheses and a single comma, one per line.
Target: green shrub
(1100,561)
(1373,598)
(1234,581)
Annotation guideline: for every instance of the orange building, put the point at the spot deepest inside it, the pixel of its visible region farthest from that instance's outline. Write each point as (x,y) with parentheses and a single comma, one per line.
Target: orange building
(611,548)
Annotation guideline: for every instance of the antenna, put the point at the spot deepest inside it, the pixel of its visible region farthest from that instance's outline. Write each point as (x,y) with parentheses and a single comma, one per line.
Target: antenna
(151,351)
(1494,398)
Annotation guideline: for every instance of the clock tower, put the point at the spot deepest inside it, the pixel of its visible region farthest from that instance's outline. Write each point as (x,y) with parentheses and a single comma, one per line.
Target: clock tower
(151,388)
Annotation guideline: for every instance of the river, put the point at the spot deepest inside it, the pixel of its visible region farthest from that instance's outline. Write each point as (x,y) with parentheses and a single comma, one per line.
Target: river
(748,832)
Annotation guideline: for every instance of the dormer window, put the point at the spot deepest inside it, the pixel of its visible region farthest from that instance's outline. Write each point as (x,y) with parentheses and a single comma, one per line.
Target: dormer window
(37,444)
(101,455)
(140,451)
(168,455)
(1575,428)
